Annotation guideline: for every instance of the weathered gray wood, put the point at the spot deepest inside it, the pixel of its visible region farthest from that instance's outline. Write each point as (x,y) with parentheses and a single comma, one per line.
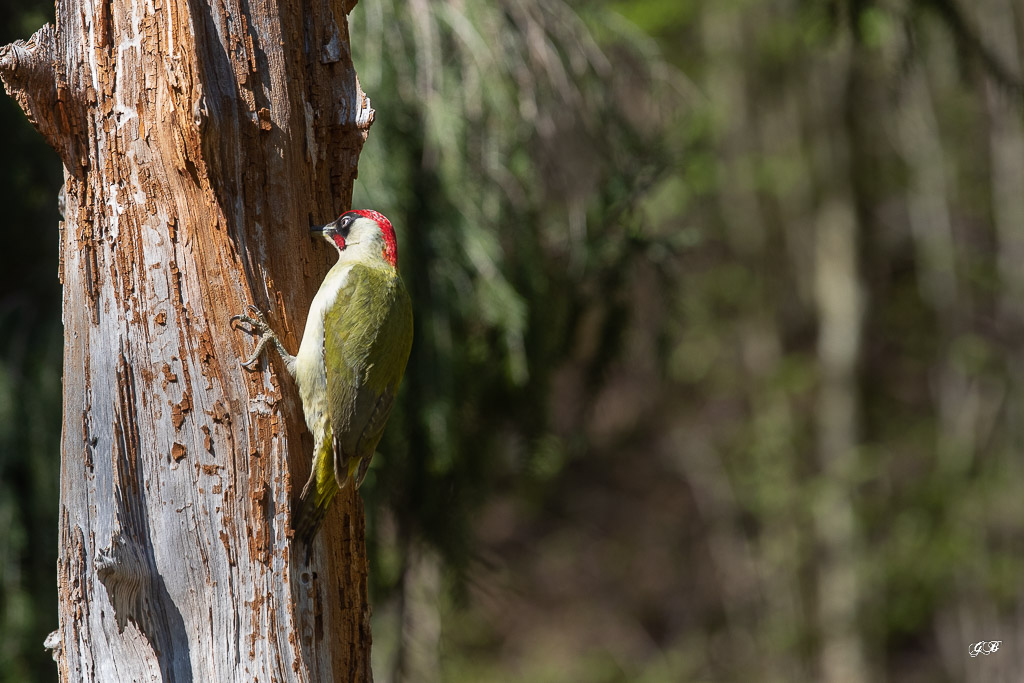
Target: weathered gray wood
(199,140)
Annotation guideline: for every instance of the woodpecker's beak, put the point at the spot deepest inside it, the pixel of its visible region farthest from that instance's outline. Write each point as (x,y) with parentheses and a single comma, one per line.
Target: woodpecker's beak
(322,228)
(335,232)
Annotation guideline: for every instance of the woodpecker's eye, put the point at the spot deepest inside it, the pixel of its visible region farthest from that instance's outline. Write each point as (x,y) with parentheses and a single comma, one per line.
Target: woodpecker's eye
(344,224)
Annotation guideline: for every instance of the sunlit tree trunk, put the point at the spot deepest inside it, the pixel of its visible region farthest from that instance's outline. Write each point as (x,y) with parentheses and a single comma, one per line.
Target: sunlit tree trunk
(839,311)
(199,141)
(839,299)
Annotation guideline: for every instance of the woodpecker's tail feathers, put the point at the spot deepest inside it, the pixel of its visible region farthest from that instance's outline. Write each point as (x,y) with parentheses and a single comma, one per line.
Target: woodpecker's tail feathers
(310,512)
(315,499)
(308,520)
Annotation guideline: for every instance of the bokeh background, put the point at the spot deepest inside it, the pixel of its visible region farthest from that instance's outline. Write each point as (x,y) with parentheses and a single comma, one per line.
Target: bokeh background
(719,361)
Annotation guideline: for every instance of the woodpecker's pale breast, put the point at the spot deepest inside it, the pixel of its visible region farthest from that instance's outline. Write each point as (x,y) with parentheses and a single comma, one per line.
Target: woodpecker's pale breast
(310,370)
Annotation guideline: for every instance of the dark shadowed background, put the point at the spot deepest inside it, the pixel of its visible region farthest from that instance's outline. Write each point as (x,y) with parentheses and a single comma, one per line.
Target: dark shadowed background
(718,370)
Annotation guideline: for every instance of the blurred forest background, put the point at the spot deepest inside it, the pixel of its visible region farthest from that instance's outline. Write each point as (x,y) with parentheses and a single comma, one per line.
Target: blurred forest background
(719,365)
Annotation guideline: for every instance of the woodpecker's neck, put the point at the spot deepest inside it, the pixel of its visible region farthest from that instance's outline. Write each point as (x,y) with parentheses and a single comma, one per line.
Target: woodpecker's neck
(365,249)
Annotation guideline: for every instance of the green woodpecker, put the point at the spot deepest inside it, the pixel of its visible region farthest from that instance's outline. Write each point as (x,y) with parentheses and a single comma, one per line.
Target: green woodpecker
(351,360)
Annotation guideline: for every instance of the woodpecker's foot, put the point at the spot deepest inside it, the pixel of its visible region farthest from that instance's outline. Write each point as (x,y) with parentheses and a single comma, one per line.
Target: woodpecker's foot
(258,324)
(257,320)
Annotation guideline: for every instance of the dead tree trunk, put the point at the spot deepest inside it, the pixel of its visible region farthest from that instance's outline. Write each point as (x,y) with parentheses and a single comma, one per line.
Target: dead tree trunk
(199,141)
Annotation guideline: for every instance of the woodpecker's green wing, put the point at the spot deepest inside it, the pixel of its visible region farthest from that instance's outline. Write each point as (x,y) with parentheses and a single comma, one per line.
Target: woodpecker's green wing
(367,340)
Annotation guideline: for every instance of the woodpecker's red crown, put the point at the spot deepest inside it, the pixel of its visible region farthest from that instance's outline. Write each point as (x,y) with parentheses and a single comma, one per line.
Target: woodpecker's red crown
(386,229)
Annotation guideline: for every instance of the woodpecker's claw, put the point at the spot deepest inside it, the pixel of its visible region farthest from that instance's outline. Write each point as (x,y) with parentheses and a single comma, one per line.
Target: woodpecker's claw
(250,362)
(258,322)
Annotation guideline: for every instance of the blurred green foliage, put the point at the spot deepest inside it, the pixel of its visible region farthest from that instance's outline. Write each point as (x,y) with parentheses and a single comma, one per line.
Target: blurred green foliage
(485,147)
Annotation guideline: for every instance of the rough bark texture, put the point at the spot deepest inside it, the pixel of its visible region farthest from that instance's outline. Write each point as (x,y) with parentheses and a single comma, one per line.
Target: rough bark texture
(199,142)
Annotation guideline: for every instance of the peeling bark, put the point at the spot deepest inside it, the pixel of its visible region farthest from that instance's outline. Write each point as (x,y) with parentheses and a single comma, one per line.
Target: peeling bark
(199,141)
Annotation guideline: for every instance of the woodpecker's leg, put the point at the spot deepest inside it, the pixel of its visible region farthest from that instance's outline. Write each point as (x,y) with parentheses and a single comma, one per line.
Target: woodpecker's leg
(260,326)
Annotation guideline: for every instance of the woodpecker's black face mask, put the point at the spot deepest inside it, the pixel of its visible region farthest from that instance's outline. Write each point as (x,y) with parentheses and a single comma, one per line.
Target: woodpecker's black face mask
(337,230)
